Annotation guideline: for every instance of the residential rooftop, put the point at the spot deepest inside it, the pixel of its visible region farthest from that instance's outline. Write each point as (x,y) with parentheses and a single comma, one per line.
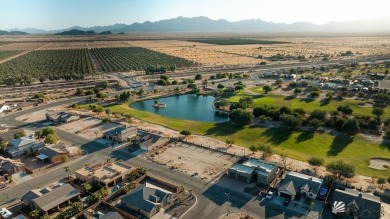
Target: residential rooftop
(242,168)
(260,165)
(104,171)
(304,176)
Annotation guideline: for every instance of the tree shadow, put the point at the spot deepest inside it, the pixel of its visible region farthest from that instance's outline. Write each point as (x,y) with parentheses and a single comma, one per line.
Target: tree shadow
(221,195)
(289,97)
(304,136)
(223,129)
(324,102)
(277,136)
(306,100)
(385,144)
(340,142)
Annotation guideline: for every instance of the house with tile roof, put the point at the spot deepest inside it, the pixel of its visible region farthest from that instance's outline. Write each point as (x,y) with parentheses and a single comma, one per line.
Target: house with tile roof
(9,167)
(49,200)
(350,203)
(149,141)
(146,201)
(295,185)
(121,134)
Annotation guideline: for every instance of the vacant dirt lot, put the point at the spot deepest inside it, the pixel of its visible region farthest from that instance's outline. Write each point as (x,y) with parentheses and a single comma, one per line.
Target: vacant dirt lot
(81,124)
(98,130)
(192,160)
(40,115)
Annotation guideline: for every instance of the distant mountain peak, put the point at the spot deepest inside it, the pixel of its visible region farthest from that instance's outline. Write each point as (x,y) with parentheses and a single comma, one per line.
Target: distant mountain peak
(205,24)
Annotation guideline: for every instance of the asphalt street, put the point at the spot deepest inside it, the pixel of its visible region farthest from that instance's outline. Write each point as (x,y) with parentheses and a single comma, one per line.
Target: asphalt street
(212,201)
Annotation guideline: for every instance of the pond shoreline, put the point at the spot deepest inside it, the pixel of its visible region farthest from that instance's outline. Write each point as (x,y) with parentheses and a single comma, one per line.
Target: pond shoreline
(187,106)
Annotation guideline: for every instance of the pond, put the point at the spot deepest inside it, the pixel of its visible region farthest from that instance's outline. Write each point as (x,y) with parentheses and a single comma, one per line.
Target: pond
(188,107)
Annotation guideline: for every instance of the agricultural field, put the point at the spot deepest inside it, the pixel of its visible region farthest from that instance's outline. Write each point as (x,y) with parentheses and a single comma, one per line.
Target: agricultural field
(6,54)
(236,41)
(48,64)
(135,58)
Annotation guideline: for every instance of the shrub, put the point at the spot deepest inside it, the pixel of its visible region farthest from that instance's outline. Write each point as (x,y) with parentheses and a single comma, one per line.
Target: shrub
(241,117)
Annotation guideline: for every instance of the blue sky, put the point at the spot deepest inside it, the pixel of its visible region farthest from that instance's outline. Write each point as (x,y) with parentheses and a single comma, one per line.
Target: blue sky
(56,14)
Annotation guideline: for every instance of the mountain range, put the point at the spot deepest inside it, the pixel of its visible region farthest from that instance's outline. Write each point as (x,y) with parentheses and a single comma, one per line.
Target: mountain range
(204,24)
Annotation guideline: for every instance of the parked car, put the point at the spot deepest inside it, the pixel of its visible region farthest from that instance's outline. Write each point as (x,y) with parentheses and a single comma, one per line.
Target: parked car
(5,213)
(270,194)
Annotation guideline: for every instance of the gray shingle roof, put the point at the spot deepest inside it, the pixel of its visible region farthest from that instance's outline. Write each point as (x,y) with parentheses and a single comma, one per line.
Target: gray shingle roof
(56,197)
(144,198)
(48,152)
(308,183)
(363,205)
(21,141)
(29,196)
(8,136)
(288,187)
(111,215)
(118,130)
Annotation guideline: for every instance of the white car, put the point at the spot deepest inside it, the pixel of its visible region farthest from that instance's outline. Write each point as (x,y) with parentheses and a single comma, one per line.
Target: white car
(270,194)
(5,213)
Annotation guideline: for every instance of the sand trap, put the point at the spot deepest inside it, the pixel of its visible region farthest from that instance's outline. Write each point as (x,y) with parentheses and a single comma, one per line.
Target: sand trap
(379,163)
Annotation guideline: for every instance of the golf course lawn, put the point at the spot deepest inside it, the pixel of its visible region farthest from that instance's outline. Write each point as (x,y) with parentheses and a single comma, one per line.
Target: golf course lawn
(296,145)
(308,105)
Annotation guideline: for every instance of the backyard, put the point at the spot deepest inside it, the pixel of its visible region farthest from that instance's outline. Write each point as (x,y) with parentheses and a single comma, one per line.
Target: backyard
(294,144)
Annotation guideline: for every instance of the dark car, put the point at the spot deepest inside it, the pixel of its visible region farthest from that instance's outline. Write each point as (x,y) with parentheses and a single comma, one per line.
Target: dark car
(286,202)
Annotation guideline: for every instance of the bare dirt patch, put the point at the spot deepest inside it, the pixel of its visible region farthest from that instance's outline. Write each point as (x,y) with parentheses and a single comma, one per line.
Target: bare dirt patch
(191,159)
(81,124)
(379,163)
(97,131)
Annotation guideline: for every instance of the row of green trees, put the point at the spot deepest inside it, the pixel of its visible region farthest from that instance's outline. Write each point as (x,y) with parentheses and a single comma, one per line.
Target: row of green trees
(69,64)
(137,58)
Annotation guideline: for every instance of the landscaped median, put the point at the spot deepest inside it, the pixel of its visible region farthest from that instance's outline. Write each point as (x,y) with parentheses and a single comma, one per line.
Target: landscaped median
(294,144)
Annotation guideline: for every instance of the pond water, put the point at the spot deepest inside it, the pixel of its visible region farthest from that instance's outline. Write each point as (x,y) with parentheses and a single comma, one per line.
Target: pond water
(188,106)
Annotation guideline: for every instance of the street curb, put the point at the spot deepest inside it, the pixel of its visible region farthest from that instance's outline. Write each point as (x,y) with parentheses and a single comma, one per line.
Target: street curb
(196,201)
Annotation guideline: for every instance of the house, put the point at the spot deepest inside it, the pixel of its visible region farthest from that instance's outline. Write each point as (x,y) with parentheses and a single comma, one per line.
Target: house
(106,174)
(89,214)
(121,134)
(22,145)
(9,167)
(146,200)
(48,200)
(254,169)
(7,107)
(52,154)
(9,135)
(354,204)
(149,141)
(294,185)
(60,117)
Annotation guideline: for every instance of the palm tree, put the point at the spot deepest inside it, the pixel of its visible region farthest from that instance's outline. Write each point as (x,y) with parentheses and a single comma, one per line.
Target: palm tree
(3,146)
(34,214)
(67,170)
(86,187)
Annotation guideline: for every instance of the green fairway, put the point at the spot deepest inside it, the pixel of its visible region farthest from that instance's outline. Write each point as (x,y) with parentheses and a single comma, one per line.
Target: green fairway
(296,145)
(308,105)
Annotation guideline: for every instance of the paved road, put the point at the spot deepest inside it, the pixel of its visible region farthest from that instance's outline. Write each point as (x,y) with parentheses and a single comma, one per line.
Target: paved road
(212,200)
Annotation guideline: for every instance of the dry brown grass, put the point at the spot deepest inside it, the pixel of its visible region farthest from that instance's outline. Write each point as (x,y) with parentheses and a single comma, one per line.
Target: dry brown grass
(21,46)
